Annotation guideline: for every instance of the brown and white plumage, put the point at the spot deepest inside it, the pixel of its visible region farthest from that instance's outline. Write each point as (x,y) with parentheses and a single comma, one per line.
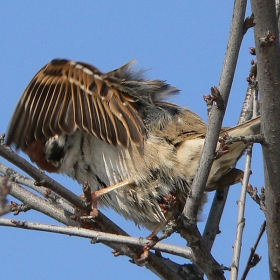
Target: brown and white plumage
(112,127)
(65,95)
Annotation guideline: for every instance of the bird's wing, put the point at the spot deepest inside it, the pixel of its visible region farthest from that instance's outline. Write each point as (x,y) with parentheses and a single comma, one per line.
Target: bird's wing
(66,95)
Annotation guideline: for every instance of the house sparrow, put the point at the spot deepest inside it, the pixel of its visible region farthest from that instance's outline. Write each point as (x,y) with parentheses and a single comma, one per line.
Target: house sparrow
(114,129)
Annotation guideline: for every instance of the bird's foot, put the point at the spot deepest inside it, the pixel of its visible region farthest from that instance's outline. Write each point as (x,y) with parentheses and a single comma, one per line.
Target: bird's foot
(86,215)
(91,214)
(94,208)
(90,202)
(224,146)
(142,259)
(154,240)
(168,203)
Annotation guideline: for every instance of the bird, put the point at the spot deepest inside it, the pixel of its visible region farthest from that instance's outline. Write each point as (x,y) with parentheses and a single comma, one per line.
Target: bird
(116,131)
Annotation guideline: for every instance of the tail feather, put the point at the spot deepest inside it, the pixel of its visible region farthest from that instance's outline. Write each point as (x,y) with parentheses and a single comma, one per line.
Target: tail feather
(251,127)
(226,163)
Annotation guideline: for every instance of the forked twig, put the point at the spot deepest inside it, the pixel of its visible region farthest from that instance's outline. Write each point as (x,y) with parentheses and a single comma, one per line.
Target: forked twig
(242,201)
(254,258)
(218,204)
(241,219)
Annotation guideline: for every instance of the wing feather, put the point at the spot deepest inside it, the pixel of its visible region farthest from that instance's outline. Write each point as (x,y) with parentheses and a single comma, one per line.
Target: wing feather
(66,95)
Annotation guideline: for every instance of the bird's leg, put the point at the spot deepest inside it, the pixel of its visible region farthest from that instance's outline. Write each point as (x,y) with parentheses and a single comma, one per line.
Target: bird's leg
(113,187)
(142,260)
(95,195)
(167,205)
(168,202)
(153,235)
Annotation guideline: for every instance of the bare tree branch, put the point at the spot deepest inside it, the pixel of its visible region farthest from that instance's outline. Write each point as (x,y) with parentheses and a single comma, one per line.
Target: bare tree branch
(37,203)
(212,226)
(268,56)
(241,219)
(216,114)
(201,255)
(245,181)
(7,153)
(4,191)
(98,236)
(30,183)
(208,154)
(254,258)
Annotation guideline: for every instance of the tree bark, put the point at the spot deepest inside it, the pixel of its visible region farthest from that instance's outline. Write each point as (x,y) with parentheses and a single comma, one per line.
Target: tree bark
(268,57)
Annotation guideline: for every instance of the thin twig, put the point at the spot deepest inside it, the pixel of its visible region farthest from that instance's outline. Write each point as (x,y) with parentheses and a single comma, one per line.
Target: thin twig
(245,183)
(217,113)
(30,183)
(248,23)
(4,191)
(245,139)
(241,219)
(218,204)
(259,199)
(254,258)
(242,201)
(213,129)
(98,236)
(212,225)
(37,203)
(7,153)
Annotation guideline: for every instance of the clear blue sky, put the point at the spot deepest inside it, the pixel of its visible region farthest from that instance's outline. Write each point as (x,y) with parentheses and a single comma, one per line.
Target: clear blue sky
(183,42)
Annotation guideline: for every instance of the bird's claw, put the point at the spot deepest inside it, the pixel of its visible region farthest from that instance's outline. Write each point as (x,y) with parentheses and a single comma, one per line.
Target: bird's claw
(168,202)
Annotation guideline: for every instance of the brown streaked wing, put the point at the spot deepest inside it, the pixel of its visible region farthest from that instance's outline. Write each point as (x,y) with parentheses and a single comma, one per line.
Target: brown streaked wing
(18,124)
(66,114)
(101,93)
(55,108)
(47,108)
(96,118)
(86,112)
(76,104)
(112,127)
(66,95)
(122,138)
(127,115)
(45,84)
(102,120)
(36,102)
